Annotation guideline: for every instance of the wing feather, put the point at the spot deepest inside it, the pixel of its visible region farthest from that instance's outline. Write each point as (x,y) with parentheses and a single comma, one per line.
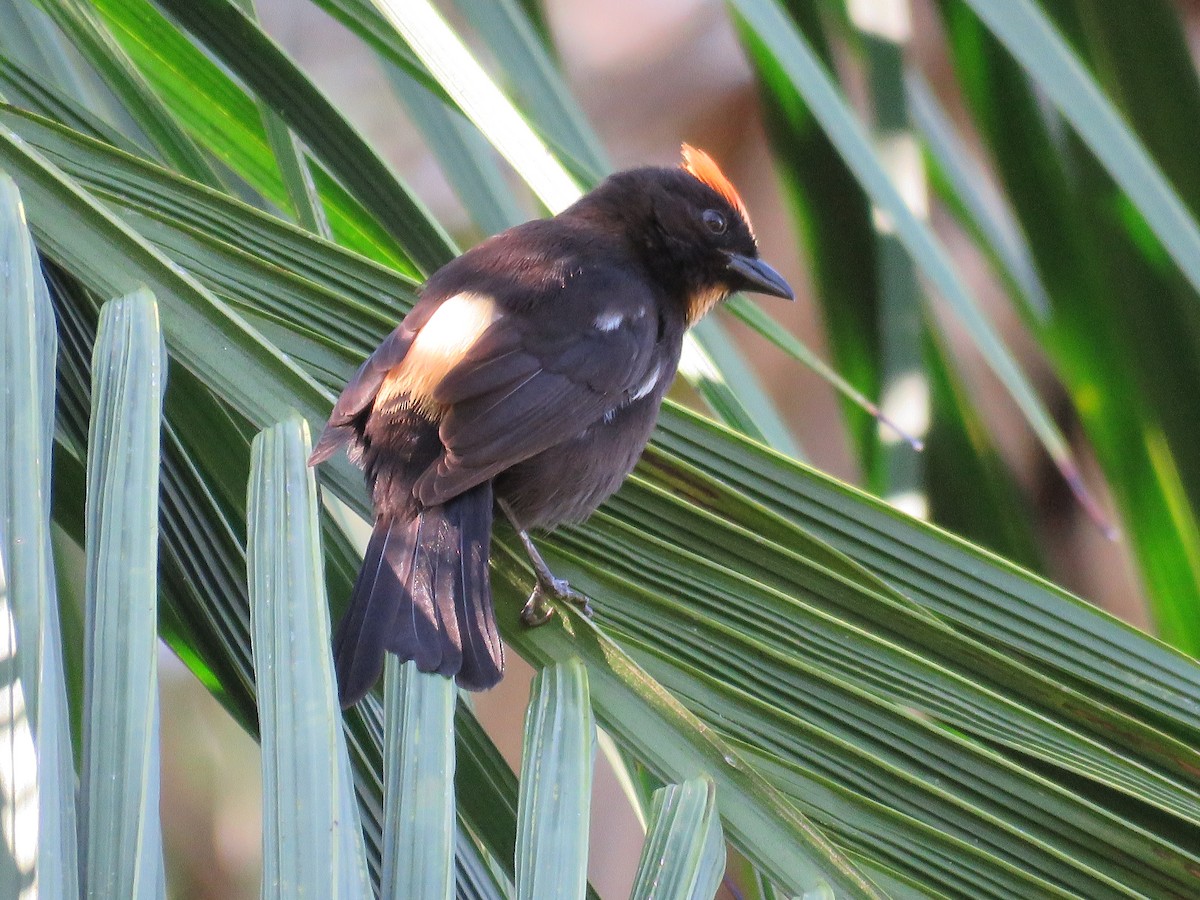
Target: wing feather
(359,393)
(532,382)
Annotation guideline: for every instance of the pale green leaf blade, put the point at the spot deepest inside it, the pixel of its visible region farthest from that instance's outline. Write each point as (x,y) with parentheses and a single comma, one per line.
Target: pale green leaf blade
(291,161)
(28,33)
(312,837)
(991,215)
(758,319)
(38,850)
(466,158)
(80,22)
(241,45)
(1024,28)
(556,785)
(536,83)
(684,854)
(713,365)
(652,724)
(800,63)
(121,839)
(22,87)
(457,71)
(418,776)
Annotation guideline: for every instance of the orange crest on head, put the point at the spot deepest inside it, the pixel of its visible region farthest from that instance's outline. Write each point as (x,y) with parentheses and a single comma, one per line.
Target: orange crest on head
(700,165)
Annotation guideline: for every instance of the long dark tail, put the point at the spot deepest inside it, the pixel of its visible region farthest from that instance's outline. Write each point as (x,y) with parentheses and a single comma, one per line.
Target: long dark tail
(424,594)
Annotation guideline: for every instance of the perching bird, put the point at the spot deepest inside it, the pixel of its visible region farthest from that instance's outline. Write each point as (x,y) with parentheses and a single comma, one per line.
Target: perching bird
(526,379)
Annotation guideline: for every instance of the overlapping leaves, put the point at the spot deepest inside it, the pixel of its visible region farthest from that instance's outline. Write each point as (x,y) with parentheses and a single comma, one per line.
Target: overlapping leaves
(811,650)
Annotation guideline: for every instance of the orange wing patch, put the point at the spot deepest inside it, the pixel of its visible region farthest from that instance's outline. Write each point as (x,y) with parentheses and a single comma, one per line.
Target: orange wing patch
(439,346)
(701,165)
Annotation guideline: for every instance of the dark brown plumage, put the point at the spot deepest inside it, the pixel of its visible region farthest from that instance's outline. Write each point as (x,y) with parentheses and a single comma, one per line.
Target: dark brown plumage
(526,380)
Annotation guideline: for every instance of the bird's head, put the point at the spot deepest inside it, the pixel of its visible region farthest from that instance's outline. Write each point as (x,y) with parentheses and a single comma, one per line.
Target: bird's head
(692,231)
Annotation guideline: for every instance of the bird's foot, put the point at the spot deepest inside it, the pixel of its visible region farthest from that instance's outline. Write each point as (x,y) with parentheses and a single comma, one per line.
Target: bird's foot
(538,609)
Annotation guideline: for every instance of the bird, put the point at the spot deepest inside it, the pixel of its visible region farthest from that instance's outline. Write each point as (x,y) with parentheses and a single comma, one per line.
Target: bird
(524,383)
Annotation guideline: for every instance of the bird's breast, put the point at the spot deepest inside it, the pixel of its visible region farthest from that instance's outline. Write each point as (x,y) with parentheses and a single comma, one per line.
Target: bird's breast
(565,483)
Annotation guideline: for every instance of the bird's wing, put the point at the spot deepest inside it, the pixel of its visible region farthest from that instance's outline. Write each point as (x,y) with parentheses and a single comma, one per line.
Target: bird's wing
(359,393)
(535,379)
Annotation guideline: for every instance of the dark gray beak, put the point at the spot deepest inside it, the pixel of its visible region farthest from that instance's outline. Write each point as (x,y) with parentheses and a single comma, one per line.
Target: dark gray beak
(755,275)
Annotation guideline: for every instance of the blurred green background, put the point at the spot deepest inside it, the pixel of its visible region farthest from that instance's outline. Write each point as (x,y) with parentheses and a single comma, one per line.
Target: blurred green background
(1059,411)
(648,76)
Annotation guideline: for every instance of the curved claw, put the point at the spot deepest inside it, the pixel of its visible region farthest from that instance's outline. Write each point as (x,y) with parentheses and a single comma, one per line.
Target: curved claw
(538,610)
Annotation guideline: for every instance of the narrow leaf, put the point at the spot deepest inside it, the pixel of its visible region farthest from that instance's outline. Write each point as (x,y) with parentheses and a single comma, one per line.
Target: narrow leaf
(684,854)
(536,83)
(833,220)
(477,875)
(121,839)
(1032,39)
(799,62)
(457,71)
(27,32)
(989,212)
(312,838)
(292,162)
(468,161)
(556,785)
(755,317)
(418,776)
(37,776)
(21,87)
(711,363)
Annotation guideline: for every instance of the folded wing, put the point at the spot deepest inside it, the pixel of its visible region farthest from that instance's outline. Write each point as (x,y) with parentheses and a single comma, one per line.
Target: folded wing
(536,379)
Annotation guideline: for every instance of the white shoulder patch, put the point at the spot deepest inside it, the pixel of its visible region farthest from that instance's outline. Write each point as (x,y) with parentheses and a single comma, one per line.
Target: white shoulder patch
(440,345)
(609,321)
(647,386)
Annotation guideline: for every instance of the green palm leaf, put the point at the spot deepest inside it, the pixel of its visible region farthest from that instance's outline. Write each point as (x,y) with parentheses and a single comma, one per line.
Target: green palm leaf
(36,763)
(120,838)
(880,706)
(312,840)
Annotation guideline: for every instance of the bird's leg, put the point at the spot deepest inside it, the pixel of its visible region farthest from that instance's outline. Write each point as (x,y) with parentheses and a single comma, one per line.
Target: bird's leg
(537,609)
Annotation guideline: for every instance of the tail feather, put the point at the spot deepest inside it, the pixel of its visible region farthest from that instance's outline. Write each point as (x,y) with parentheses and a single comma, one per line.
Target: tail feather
(424,594)
(359,644)
(430,636)
(482,654)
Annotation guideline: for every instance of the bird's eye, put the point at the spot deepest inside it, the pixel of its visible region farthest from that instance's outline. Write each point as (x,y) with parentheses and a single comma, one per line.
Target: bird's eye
(715,221)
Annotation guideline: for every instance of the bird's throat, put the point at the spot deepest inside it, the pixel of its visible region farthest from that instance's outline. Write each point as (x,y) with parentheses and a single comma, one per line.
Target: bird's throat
(702,300)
